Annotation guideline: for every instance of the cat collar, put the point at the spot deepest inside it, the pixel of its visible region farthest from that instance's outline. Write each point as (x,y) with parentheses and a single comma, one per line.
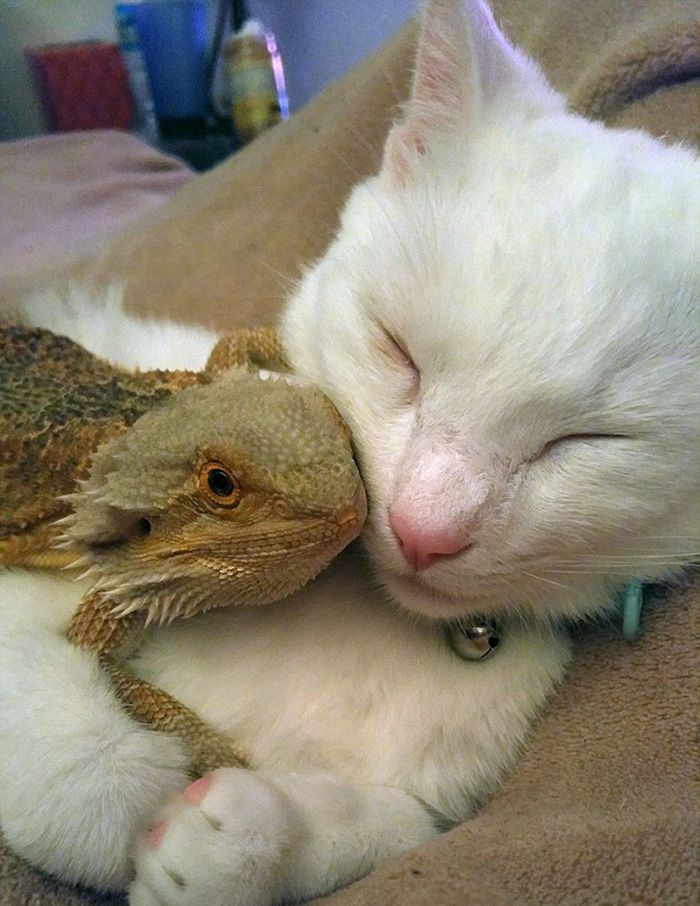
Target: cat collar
(631,602)
(477,639)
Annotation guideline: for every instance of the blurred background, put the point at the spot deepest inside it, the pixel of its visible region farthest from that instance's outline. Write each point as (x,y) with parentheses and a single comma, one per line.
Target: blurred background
(183,68)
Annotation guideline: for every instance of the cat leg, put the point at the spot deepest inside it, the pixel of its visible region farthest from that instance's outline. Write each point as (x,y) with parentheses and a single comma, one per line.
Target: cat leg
(78,777)
(252,839)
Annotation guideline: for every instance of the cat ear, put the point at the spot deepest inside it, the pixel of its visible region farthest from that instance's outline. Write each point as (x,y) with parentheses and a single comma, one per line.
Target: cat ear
(463,63)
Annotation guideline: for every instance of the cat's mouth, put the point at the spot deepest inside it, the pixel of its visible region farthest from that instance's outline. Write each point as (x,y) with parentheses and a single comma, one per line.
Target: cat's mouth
(417,595)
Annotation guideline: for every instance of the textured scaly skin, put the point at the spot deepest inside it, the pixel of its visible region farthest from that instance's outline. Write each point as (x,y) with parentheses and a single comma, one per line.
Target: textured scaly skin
(58,404)
(127,449)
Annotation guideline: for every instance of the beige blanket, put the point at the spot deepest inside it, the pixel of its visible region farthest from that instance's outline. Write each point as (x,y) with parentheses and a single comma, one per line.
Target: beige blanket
(603,806)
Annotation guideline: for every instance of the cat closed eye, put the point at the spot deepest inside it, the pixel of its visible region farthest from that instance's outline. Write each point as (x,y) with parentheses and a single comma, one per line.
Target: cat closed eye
(396,352)
(566,439)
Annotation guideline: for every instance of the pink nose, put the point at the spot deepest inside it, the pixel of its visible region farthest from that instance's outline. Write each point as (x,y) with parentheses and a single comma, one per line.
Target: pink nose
(422,546)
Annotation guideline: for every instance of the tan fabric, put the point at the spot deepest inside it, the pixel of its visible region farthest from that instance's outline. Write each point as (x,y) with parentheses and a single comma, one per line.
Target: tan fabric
(602,808)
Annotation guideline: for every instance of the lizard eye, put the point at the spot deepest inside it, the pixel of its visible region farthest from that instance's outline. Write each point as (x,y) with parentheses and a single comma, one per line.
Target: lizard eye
(219,485)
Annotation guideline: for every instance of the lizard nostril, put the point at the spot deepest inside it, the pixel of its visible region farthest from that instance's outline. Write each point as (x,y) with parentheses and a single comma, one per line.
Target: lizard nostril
(351,516)
(346,516)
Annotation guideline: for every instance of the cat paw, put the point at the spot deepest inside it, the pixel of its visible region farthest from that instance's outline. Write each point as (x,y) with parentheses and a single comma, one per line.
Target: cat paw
(220,842)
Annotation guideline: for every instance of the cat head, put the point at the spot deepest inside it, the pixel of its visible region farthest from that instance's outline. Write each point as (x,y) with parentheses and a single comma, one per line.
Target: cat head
(508,319)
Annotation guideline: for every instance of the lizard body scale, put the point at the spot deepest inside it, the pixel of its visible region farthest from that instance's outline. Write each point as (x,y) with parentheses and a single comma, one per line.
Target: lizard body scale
(174,491)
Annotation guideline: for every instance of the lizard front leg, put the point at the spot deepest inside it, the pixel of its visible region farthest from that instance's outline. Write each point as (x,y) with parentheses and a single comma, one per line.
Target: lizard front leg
(160,711)
(94,626)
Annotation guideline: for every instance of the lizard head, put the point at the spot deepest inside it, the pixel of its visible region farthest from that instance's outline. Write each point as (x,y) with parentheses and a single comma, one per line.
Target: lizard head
(237,491)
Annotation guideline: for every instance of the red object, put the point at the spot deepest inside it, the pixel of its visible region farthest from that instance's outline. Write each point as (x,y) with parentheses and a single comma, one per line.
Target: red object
(83,86)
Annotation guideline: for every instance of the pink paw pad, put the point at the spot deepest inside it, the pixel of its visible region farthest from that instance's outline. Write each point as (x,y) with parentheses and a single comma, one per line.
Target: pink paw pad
(156,834)
(195,792)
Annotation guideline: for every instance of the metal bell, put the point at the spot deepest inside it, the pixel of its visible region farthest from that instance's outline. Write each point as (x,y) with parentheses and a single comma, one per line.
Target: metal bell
(476,640)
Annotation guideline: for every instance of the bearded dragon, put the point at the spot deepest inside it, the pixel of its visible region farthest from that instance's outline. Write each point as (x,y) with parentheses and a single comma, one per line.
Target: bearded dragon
(175,491)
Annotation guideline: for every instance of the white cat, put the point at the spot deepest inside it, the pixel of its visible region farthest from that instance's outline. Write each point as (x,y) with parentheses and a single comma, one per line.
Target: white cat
(508,320)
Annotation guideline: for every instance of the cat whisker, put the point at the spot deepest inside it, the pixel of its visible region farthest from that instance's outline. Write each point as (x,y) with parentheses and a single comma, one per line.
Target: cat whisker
(516,605)
(365,144)
(288,284)
(615,572)
(398,98)
(575,592)
(547,581)
(672,537)
(341,165)
(621,554)
(673,559)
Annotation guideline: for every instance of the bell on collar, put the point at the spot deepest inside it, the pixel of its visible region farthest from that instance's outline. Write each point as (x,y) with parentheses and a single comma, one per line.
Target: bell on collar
(475,640)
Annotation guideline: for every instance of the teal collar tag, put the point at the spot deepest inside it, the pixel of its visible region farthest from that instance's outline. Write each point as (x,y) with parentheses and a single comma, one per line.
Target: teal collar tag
(631,607)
